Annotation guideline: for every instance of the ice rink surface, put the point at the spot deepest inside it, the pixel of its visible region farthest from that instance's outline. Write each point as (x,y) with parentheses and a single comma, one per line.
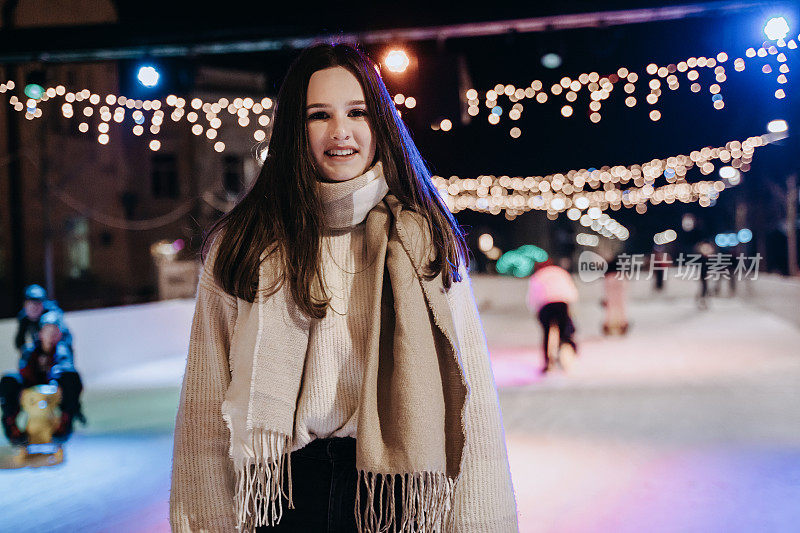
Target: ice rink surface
(690,423)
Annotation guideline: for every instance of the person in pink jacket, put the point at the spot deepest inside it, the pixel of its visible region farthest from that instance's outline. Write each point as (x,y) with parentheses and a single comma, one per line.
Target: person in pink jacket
(551,290)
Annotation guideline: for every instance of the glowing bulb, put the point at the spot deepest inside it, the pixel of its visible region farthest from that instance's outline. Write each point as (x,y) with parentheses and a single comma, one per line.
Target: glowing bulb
(396,61)
(777,126)
(776,28)
(148,76)
(485,242)
(551,60)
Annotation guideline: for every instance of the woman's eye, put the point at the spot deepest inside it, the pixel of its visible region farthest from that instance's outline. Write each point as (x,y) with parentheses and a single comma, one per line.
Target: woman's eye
(317,115)
(358,112)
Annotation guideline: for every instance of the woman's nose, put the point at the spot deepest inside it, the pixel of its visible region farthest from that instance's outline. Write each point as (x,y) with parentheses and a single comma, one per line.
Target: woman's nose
(339,130)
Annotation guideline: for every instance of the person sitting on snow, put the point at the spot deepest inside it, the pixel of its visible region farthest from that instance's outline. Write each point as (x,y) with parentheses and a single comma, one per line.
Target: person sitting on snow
(48,361)
(36,304)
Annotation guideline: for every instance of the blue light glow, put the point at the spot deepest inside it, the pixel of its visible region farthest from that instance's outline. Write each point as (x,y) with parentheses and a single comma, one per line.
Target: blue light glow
(34,91)
(551,60)
(139,119)
(520,262)
(148,76)
(497,110)
(724,240)
(745,235)
(776,28)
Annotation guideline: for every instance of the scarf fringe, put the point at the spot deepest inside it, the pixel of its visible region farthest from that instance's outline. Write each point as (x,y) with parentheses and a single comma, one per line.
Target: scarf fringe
(426,497)
(259,481)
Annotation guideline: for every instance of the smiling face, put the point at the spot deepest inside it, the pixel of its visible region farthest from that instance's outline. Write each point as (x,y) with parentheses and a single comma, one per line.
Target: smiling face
(339,133)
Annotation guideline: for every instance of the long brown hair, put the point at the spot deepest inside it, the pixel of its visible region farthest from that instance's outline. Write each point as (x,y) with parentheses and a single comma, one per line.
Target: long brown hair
(282,212)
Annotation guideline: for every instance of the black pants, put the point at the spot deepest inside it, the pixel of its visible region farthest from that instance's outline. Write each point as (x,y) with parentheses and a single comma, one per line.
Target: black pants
(11,388)
(558,313)
(324,479)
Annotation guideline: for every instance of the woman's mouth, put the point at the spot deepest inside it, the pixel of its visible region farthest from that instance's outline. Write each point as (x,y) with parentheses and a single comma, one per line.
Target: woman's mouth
(341,155)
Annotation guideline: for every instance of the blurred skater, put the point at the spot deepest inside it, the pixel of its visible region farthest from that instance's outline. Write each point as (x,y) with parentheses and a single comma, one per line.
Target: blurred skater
(660,262)
(551,290)
(614,296)
(705,249)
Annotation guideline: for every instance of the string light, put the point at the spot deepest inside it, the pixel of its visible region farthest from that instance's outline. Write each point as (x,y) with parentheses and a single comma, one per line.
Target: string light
(586,194)
(599,88)
(144,110)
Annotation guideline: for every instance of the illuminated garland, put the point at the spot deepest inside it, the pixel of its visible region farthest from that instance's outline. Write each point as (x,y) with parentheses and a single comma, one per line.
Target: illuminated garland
(586,193)
(206,118)
(148,116)
(554,193)
(600,87)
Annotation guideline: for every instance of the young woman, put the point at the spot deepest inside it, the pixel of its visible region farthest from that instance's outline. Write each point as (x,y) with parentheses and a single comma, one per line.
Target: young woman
(338,377)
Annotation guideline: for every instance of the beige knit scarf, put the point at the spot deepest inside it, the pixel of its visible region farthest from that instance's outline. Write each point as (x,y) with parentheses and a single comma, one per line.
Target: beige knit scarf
(411,432)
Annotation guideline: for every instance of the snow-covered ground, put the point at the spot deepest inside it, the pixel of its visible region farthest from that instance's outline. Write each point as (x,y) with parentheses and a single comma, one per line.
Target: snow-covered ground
(690,423)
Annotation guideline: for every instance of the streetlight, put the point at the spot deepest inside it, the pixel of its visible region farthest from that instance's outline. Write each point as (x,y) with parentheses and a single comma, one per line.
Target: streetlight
(776,28)
(148,76)
(396,61)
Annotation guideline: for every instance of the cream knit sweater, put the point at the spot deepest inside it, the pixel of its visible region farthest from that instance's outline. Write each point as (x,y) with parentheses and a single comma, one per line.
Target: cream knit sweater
(202,482)
(335,360)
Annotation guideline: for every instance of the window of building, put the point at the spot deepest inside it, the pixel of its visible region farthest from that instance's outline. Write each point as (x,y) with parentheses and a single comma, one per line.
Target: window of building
(164,183)
(233,175)
(77,247)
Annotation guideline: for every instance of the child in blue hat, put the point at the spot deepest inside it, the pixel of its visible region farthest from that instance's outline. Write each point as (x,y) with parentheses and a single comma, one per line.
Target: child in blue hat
(36,304)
